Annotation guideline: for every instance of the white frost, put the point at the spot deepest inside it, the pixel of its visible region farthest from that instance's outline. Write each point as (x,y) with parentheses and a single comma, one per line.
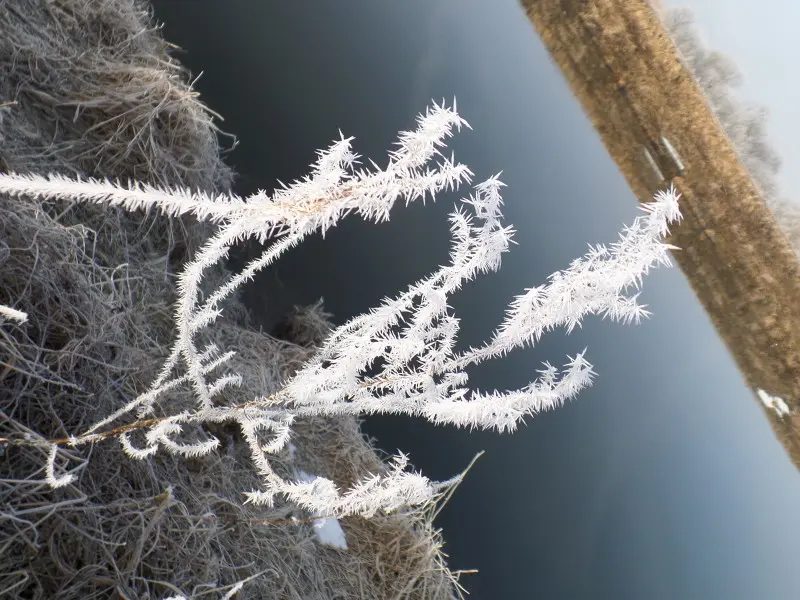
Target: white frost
(775,403)
(13,314)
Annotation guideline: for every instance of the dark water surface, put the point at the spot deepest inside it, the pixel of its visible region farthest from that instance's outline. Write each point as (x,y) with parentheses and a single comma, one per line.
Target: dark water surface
(661,481)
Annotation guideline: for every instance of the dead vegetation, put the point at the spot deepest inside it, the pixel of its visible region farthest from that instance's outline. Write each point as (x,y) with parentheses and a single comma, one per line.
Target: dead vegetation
(624,68)
(89,88)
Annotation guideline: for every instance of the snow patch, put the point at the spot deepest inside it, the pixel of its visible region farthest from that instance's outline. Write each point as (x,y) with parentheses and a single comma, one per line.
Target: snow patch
(328,529)
(775,403)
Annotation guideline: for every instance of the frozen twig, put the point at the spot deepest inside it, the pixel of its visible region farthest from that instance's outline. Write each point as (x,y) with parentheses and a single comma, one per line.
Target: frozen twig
(399,357)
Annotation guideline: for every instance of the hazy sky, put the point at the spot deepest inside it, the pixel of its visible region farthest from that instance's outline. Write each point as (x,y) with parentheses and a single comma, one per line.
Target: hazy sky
(761,37)
(664,480)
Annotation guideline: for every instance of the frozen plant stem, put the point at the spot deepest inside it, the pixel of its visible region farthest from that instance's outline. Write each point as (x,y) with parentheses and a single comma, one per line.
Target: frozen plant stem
(398,358)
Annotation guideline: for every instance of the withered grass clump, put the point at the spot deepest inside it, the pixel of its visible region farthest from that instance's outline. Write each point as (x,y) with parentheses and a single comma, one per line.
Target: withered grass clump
(89,88)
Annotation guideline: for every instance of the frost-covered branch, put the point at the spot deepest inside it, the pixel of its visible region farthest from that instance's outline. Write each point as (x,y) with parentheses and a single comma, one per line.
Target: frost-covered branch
(398,358)
(12,314)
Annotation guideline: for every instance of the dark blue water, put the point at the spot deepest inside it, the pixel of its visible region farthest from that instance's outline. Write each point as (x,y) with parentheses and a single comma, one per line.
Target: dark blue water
(663,480)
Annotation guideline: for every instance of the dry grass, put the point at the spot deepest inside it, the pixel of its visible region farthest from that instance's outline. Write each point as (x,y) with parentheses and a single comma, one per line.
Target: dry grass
(624,69)
(89,88)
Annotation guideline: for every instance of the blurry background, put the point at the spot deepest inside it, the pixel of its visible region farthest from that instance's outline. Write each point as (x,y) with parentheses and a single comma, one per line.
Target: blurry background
(759,38)
(664,479)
